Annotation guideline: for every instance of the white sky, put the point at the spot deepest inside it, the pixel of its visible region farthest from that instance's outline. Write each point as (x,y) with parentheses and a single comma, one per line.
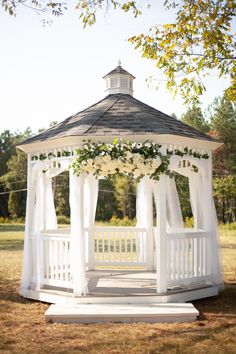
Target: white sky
(50,73)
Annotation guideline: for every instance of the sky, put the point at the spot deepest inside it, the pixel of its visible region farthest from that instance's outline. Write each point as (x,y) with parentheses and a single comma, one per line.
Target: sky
(48,73)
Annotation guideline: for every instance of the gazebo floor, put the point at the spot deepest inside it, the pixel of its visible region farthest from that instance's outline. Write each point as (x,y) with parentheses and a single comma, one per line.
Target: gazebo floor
(103,282)
(123,286)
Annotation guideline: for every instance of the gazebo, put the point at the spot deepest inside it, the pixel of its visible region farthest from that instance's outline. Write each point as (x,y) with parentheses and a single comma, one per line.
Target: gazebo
(160,259)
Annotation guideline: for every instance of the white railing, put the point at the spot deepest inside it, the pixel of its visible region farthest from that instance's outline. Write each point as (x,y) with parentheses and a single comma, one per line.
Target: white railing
(52,258)
(119,246)
(187,257)
(113,246)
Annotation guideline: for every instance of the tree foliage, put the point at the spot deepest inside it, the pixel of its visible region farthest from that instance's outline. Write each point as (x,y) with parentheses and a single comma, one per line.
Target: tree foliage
(195,118)
(199,40)
(224,191)
(125,196)
(13,173)
(222,114)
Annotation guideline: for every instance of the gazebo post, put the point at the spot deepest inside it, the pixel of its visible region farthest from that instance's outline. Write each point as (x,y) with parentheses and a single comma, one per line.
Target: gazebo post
(161,252)
(92,194)
(211,262)
(77,252)
(149,228)
(27,259)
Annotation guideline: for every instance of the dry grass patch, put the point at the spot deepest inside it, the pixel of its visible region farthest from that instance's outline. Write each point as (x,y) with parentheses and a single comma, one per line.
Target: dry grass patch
(24,329)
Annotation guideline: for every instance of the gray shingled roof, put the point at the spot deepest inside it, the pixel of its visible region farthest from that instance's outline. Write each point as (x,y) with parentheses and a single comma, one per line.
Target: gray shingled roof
(119,70)
(117,115)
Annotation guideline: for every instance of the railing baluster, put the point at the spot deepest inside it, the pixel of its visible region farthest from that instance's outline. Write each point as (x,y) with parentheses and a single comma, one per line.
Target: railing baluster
(109,248)
(120,245)
(132,247)
(126,248)
(103,248)
(136,237)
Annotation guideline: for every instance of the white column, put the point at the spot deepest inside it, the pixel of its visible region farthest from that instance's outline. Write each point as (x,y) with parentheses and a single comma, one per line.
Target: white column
(149,227)
(91,200)
(77,251)
(161,237)
(208,221)
(50,218)
(144,214)
(26,277)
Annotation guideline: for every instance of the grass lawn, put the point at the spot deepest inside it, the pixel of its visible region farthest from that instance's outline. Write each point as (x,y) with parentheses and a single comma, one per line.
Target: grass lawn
(24,329)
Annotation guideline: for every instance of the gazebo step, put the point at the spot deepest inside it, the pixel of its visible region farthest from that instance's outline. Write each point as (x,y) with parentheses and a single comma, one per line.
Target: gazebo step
(62,297)
(94,313)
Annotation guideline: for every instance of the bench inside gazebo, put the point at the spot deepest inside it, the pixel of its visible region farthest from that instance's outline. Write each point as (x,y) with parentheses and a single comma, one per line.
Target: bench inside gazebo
(153,262)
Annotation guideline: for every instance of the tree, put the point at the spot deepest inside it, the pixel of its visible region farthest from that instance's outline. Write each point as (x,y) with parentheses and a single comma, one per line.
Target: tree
(15,180)
(125,197)
(7,149)
(15,176)
(61,193)
(107,205)
(224,191)
(199,40)
(222,115)
(195,119)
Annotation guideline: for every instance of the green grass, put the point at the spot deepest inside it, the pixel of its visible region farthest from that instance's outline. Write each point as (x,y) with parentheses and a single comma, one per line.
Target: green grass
(24,329)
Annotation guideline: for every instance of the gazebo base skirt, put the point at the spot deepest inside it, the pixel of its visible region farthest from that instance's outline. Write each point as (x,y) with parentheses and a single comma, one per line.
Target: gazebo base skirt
(114,286)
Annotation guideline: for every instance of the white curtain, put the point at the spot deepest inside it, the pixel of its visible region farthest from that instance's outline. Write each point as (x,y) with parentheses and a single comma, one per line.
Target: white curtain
(174,214)
(203,208)
(45,213)
(90,206)
(144,215)
(27,269)
(40,215)
(77,233)
(217,269)
(39,224)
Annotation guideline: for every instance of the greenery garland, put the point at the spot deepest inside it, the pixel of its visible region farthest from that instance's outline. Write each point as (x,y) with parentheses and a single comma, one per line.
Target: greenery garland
(51,155)
(122,158)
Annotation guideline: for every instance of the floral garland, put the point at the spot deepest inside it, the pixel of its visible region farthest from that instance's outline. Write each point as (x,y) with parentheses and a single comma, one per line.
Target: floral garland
(51,155)
(122,158)
(131,159)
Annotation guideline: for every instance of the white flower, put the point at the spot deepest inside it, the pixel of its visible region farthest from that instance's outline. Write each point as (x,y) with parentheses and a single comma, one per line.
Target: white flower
(106,158)
(98,160)
(90,162)
(143,168)
(120,162)
(137,173)
(127,167)
(137,158)
(156,162)
(128,155)
(112,166)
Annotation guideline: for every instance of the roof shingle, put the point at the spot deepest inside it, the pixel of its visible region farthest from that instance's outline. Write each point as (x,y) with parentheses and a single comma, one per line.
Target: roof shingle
(117,115)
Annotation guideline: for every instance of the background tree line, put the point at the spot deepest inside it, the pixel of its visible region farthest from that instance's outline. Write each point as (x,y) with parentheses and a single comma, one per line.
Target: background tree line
(117,195)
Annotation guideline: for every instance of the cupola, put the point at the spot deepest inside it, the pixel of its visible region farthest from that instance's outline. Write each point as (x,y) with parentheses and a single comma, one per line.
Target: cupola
(119,81)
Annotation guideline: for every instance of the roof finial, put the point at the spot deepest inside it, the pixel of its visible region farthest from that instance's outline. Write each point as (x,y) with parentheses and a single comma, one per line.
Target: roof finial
(119,62)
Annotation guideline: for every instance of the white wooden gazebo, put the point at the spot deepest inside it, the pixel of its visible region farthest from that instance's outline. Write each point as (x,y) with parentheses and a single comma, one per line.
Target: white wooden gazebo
(162,259)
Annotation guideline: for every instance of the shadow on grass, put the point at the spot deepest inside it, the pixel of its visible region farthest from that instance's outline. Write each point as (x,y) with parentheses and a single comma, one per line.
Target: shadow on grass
(9,292)
(11,245)
(11,227)
(222,305)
